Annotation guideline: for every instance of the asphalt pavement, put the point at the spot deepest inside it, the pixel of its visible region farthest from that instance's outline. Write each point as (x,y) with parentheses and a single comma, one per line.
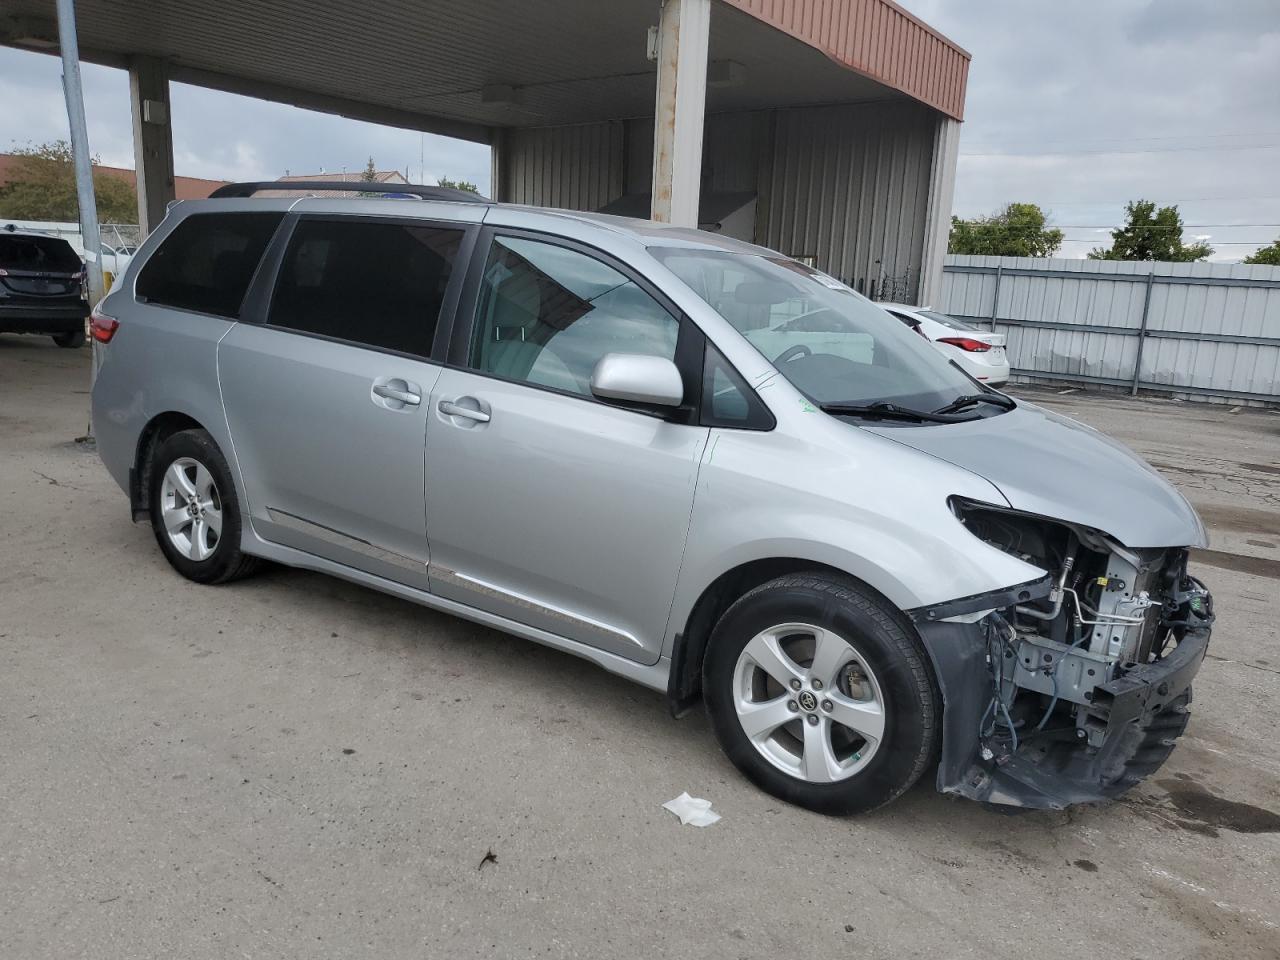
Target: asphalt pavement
(292,766)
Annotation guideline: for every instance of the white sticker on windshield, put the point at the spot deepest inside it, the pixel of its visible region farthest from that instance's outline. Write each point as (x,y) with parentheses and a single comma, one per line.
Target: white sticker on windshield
(830,282)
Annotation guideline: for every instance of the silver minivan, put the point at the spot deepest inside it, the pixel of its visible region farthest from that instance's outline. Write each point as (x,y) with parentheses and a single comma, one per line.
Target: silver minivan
(695,462)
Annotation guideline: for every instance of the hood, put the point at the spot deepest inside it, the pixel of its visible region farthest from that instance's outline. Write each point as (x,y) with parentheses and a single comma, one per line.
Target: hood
(1051,465)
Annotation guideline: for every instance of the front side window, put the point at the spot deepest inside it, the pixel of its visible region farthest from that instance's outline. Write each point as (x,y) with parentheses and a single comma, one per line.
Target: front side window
(207,262)
(547,314)
(834,345)
(378,284)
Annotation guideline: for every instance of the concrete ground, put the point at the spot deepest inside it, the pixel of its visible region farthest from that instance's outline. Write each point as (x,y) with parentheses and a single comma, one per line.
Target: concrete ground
(295,767)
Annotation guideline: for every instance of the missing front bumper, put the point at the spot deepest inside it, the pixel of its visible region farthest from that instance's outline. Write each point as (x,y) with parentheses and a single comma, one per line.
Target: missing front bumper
(1133,719)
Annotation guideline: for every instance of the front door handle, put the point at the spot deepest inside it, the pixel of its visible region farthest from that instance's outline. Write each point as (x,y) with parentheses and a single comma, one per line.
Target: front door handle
(452,409)
(387,392)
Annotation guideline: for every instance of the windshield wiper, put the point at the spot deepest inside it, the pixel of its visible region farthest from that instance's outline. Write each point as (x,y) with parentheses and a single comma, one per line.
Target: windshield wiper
(969,399)
(889,411)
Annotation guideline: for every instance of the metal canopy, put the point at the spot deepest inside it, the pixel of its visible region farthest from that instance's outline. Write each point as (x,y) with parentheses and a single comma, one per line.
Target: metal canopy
(463,69)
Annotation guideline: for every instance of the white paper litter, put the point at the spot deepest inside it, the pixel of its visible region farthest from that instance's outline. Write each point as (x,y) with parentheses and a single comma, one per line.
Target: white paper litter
(692,810)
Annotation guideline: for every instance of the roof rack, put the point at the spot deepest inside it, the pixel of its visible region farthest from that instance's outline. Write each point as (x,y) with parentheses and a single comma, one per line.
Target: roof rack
(248,189)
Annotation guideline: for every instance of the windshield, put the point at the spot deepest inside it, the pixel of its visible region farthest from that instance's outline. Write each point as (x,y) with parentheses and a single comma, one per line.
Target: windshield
(946,321)
(834,345)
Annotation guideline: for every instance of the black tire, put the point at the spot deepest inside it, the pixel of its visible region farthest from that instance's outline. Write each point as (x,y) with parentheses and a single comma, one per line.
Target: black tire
(71,341)
(882,638)
(226,562)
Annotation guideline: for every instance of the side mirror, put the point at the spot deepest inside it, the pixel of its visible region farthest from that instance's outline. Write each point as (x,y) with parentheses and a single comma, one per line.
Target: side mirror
(637,378)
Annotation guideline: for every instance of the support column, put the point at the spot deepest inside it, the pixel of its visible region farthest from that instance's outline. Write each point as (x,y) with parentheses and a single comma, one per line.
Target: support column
(152,139)
(683,35)
(498,188)
(937,224)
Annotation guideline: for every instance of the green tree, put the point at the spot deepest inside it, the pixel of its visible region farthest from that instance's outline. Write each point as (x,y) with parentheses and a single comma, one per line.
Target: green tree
(1268,255)
(369,175)
(1151,234)
(43,187)
(457,184)
(1018,230)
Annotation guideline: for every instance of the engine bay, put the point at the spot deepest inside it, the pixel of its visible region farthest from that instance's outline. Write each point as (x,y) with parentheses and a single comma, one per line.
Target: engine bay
(1067,672)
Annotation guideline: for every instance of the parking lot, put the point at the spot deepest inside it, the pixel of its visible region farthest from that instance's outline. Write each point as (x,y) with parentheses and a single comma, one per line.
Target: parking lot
(292,766)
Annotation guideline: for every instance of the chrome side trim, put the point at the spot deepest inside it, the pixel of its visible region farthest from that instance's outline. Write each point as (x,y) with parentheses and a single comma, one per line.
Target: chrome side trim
(344,540)
(484,588)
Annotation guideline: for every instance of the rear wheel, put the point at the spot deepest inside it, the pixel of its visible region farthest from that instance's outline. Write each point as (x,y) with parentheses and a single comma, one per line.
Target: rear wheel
(820,694)
(194,511)
(72,340)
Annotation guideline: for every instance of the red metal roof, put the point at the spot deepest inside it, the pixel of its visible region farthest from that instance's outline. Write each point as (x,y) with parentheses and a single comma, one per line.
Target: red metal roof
(876,38)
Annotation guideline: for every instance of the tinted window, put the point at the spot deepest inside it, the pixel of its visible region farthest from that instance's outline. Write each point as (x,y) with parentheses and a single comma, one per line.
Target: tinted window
(39,254)
(547,314)
(207,262)
(379,284)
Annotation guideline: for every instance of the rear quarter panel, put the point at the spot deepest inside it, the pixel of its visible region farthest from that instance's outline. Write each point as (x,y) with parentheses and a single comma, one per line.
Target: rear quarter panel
(159,361)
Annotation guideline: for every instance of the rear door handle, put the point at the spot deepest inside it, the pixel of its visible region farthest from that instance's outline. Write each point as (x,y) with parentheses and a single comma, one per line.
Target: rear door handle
(388,392)
(451,408)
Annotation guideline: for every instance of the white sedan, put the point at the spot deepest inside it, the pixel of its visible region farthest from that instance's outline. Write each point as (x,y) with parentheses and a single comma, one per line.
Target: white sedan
(978,352)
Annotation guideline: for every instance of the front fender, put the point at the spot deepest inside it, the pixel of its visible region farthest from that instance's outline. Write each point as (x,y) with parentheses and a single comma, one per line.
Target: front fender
(873,509)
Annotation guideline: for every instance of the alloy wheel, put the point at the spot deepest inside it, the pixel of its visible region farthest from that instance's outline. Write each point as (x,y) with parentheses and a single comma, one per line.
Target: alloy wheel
(809,702)
(191,508)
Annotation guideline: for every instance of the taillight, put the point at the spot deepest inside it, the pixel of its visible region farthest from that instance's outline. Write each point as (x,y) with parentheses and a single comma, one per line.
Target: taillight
(102,327)
(968,344)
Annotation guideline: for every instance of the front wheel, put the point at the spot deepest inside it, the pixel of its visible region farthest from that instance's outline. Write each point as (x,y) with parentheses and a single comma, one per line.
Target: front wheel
(821,694)
(194,510)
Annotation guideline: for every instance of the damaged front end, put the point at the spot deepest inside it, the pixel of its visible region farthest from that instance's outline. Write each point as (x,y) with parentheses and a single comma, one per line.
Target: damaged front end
(1072,688)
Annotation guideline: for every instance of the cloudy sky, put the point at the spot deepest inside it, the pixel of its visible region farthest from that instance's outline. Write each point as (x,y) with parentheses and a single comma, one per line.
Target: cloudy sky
(219,135)
(1075,106)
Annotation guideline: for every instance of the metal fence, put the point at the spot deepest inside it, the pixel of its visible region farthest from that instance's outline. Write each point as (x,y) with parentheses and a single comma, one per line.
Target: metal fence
(1196,330)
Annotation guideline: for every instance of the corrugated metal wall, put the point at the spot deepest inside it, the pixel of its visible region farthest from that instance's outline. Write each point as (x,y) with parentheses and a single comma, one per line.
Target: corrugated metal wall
(578,167)
(1203,330)
(847,185)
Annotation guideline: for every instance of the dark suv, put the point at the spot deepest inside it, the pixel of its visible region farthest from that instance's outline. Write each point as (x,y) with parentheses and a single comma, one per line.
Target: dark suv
(41,287)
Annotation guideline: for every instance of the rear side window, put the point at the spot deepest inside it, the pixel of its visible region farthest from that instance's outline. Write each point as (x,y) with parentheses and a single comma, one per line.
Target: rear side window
(38,254)
(207,262)
(378,284)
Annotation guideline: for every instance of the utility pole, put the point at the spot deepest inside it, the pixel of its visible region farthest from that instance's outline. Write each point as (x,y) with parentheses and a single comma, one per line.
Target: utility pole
(71,87)
(88,203)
